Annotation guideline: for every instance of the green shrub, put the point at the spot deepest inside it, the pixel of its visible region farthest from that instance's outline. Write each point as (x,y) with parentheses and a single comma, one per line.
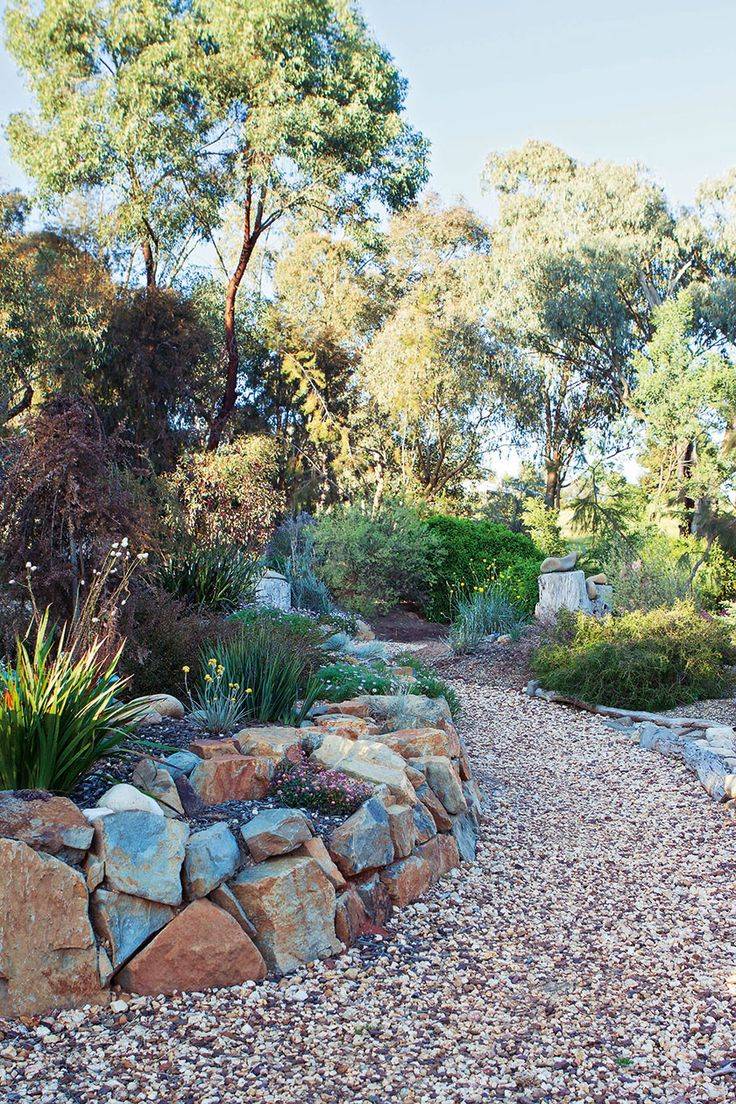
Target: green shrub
(371,564)
(429,682)
(475,553)
(485,611)
(216,577)
(296,630)
(59,713)
(342,681)
(292,551)
(520,583)
(273,669)
(651,661)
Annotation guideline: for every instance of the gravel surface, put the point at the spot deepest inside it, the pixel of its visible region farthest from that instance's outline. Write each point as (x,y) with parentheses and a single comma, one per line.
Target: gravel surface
(587,956)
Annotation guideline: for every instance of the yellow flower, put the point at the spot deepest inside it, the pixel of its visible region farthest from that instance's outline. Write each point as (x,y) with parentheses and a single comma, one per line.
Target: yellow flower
(249,690)
(220,671)
(212,662)
(186,669)
(208,678)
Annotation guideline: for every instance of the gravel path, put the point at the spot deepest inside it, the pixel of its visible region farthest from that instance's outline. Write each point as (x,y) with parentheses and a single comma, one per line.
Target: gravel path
(585,957)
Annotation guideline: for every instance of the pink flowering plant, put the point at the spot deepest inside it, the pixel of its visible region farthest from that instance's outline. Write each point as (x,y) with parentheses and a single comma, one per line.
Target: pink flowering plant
(299,783)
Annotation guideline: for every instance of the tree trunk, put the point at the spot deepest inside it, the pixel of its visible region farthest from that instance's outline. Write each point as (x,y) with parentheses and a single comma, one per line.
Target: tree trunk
(230,354)
(552,488)
(150,262)
(685,465)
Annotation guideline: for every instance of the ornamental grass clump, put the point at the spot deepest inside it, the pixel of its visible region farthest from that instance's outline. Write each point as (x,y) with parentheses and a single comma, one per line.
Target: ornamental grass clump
(487,610)
(216,577)
(60,713)
(299,784)
(217,705)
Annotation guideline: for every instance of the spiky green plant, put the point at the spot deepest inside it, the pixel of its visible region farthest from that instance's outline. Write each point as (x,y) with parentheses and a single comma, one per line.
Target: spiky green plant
(59,712)
(216,577)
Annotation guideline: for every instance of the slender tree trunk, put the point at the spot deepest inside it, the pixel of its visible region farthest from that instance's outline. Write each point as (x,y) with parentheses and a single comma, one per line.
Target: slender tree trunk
(230,353)
(685,465)
(552,488)
(150,262)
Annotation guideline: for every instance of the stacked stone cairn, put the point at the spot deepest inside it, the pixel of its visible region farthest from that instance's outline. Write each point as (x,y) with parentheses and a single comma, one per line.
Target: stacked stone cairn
(561,586)
(129,895)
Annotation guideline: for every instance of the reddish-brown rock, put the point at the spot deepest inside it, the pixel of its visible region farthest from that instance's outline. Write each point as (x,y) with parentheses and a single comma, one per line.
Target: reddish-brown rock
(355,728)
(351,919)
(441,853)
(348,708)
(48,956)
(214,748)
(46,823)
(402,828)
(407,879)
(435,808)
(202,948)
(271,742)
(232,778)
(412,743)
(316,850)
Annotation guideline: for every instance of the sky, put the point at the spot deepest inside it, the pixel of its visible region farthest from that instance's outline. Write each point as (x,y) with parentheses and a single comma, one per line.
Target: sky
(652,81)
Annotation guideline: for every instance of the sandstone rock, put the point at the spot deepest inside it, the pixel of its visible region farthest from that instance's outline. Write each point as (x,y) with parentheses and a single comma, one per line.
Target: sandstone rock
(124,923)
(351,919)
(46,823)
(48,955)
(559,563)
(444,781)
(159,784)
(465,835)
(94,871)
(591,589)
(271,743)
(225,899)
(143,854)
(407,879)
(413,743)
(212,856)
(291,904)
(232,778)
(351,708)
(316,850)
(424,825)
(202,948)
(346,725)
(123,798)
(363,841)
(182,762)
(367,761)
(442,854)
(402,828)
(599,579)
(213,748)
(275,832)
(168,706)
(416,777)
(435,808)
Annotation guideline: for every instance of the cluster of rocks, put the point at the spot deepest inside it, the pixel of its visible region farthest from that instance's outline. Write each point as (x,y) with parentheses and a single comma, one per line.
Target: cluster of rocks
(561,586)
(709,750)
(130,895)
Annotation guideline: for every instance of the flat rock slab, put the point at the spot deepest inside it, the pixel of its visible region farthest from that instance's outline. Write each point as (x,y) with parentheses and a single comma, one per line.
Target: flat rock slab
(291,904)
(143,854)
(271,742)
(202,948)
(46,823)
(48,955)
(212,856)
(275,832)
(123,923)
(232,778)
(413,743)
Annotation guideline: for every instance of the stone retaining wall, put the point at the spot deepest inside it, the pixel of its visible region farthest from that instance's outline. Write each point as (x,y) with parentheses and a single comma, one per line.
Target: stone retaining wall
(133,897)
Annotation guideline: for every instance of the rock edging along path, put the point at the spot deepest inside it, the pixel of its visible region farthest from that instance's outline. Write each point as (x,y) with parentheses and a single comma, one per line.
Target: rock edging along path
(585,957)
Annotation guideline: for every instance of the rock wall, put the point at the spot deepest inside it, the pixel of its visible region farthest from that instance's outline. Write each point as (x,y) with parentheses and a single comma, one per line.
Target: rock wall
(133,897)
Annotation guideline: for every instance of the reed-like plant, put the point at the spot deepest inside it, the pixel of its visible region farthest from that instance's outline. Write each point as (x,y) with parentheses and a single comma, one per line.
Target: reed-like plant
(216,704)
(216,577)
(60,712)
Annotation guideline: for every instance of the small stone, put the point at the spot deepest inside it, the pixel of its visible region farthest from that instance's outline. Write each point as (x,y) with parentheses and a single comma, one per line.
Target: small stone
(559,563)
(123,798)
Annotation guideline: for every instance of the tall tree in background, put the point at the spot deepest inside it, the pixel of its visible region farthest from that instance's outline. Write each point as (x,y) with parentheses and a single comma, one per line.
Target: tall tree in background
(119,116)
(311,107)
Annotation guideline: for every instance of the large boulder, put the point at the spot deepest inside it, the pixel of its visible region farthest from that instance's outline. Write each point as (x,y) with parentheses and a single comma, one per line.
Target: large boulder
(408,879)
(291,904)
(275,832)
(355,728)
(225,899)
(202,948)
(166,705)
(181,762)
(46,823)
(232,778)
(271,742)
(124,923)
(363,841)
(375,897)
(424,825)
(143,854)
(444,781)
(413,743)
(212,856)
(48,955)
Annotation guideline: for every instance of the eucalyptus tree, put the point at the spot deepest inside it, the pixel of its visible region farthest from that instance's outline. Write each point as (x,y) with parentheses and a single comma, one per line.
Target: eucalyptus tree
(582,256)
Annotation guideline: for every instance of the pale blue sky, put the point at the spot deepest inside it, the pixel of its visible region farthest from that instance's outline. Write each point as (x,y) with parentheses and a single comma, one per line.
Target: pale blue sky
(652,81)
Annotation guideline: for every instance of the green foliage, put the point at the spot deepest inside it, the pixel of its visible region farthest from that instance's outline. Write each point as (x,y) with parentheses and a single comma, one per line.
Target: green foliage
(519,582)
(542,523)
(371,563)
(59,713)
(649,661)
(473,554)
(484,612)
(428,682)
(215,577)
(342,681)
(292,551)
(272,666)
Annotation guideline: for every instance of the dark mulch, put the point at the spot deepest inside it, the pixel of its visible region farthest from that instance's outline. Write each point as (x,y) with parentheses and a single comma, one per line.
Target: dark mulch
(405,626)
(502,666)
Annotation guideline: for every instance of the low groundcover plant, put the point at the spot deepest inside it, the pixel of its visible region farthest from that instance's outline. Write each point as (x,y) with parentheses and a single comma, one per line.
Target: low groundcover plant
(299,783)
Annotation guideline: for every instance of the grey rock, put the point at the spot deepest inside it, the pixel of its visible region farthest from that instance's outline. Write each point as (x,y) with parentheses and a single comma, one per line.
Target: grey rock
(363,842)
(466,836)
(275,832)
(182,762)
(444,781)
(124,922)
(559,563)
(143,854)
(424,825)
(212,856)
